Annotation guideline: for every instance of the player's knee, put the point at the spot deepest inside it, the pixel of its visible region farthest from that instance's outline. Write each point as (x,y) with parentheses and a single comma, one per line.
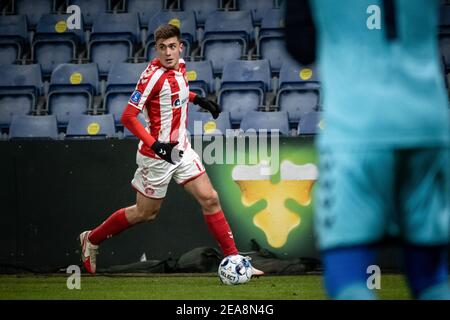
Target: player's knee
(210,201)
(147,215)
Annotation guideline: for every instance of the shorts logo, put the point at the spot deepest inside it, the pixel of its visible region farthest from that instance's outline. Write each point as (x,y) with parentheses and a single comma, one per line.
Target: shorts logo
(149,191)
(136,97)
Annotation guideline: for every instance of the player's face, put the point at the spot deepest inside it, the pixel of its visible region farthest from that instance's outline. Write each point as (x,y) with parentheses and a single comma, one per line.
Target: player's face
(169,51)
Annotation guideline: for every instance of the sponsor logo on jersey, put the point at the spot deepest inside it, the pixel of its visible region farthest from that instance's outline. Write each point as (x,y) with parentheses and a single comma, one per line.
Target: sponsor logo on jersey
(136,97)
(176,103)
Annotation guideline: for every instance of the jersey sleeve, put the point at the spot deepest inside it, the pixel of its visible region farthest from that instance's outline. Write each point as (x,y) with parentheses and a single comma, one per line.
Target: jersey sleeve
(146,88)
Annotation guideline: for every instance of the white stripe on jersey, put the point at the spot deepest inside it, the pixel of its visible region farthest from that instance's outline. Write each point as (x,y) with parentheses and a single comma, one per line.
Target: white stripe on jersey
(165,112)
(183,90)
(153,80)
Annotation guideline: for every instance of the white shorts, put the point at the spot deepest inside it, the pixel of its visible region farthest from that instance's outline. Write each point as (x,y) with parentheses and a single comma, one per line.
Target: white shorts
(152,176)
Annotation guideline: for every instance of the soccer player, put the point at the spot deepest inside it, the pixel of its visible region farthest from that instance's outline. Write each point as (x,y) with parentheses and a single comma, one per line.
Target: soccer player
(164,151)
(384,150)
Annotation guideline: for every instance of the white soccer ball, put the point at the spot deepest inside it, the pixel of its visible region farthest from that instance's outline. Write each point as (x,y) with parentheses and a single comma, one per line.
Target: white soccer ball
(235,269)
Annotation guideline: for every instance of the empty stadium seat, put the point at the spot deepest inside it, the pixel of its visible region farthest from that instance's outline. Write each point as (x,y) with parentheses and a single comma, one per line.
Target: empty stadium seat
(266,120)
(54,43)
(33,9)
(226,37)
(91,9)
(299,90)
(270,43)
(200,76)
(185,20)
(257,8)
(89,126)
(201,8)
(243,87)
(122,80)
(13,37)
(71,91)
(145,8)
(112,39)
(310,124)
(202,123)
(273,49)
(20,85)
(26,127)
(272,22)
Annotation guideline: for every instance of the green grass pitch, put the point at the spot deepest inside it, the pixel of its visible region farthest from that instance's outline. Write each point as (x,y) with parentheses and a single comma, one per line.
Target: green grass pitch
(179,287)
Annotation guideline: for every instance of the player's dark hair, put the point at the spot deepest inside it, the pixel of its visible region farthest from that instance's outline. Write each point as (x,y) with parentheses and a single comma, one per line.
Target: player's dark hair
(166,31)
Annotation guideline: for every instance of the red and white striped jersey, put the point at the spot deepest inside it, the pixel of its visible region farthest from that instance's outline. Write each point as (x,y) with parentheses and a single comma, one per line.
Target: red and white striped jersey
(163,96)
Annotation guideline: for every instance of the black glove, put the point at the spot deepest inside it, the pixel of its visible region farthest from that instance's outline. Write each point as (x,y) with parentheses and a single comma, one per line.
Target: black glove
(165,149)
(209,105)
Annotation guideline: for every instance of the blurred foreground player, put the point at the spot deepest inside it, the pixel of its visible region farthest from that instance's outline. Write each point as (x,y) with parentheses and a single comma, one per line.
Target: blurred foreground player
(162,94)
(384,152)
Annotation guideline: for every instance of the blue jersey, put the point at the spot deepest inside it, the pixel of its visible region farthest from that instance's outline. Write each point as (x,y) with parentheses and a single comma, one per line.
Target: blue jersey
(380,92)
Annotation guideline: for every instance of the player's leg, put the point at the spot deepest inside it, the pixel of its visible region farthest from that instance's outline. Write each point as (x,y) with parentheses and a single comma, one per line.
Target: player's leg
(202,190)
(150,181)
(351,212)
(345,271)
(425,204)
(144,210)
(192,175)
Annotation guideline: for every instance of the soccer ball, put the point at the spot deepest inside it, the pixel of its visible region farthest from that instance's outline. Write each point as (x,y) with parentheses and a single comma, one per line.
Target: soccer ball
(235,269)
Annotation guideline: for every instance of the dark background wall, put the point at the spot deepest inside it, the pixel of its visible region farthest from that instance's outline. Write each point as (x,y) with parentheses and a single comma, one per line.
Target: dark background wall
(51,191)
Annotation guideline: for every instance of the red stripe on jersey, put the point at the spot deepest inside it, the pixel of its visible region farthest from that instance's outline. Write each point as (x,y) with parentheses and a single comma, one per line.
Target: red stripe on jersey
(176,109)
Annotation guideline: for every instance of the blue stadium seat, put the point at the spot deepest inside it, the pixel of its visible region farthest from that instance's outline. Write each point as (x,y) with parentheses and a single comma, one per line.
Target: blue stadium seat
(27,127)
(273,49)
(202,123)
(270,43)
(54,43)
(145,9)
(87,126)
(13,37)
(33,9)
(310,123)
(299,90)
(257,8)
(91,9)
(227,34)
(122,80)
(112,39)
(272,22)
(243,88)
(185,20)
(201,8)
(127,134)
(71,91)
(20,85)
(266,120)
(200,76)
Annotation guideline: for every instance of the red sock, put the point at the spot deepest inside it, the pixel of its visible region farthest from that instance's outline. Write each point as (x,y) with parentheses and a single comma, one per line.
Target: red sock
(218,226)
(116,223)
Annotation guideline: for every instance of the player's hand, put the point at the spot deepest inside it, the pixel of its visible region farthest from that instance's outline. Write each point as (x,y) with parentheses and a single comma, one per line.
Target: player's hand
(209,105)
(167,151)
